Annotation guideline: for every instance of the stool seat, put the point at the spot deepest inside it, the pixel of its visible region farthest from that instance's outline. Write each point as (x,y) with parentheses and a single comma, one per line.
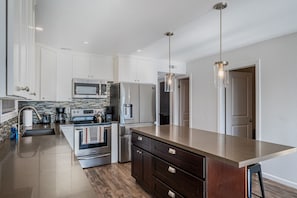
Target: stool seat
(251,169)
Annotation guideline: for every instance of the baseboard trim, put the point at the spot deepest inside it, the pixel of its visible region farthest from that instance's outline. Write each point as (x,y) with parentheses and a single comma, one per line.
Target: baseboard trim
(280,180)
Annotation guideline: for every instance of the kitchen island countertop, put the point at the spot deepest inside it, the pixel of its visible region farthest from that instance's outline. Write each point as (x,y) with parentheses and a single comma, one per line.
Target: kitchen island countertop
(41,166)
(235,151)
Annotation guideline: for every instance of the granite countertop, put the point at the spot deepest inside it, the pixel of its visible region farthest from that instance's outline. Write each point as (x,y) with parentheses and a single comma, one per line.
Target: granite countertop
(41,166)
(235,151)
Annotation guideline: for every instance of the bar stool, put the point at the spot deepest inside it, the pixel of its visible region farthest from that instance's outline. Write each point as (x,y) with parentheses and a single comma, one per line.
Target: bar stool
(251,169)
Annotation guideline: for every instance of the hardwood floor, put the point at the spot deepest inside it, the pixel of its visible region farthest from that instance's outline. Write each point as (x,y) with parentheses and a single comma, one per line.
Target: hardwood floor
(115,180)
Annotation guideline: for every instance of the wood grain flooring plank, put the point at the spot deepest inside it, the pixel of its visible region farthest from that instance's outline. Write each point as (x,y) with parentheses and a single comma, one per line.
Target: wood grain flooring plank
(115,181)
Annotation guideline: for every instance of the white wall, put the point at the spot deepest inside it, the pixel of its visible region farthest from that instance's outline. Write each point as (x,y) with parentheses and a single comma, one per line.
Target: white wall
(278,97)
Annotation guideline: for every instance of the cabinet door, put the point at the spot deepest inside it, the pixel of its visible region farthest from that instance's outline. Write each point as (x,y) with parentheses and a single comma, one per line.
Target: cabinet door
(2,48)
(136,163)
(127,69)
(15,73)
(81,66)
(146,72)
(147,171)
(20,47)
(48,63)
(101,67)
(64,77)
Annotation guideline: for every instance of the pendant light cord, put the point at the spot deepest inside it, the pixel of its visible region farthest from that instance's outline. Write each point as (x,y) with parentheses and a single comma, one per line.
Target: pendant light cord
(221,34)
(169,56)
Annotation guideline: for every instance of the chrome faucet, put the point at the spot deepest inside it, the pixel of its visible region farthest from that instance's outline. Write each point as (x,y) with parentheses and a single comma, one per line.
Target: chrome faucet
(19,115)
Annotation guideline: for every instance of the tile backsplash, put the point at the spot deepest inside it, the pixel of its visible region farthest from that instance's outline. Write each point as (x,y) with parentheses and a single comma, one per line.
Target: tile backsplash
(50,107)
(5,129)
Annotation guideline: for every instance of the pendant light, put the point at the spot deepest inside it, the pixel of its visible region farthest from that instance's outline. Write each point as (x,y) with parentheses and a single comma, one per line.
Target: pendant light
(221,73)
(169,77)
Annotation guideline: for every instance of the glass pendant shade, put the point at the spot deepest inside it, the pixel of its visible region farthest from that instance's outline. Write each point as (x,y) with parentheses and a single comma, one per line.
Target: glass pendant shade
(221,74)
(169,82)
(169,77)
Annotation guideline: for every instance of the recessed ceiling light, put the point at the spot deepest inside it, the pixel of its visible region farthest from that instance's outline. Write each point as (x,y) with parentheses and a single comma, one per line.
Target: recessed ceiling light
(40,29)
(139,50)
(86,42)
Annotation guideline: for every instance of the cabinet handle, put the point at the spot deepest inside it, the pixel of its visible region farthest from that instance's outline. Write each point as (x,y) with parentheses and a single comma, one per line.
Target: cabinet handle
(27,89)
(139,138)
(139,152)
(171,151)
(171,194)
(33,94)
(171,170)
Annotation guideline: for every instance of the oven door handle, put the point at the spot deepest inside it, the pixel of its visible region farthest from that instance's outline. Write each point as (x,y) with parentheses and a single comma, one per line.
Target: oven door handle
(92,156)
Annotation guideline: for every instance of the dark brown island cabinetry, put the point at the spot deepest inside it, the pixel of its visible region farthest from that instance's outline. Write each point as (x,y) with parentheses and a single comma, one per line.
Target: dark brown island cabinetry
(167,171)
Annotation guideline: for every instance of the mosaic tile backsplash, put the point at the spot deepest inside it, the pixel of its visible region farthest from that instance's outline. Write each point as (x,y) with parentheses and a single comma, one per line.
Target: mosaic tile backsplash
(5,129)
(49,107)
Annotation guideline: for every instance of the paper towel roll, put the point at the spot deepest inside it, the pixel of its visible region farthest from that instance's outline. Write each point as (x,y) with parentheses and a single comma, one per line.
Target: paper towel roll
(27,118)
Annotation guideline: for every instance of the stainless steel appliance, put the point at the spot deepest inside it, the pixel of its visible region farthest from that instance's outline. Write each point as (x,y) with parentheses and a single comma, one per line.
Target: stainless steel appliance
(60,115)
(89,88)
(92,141)
(133,105)
(92,144)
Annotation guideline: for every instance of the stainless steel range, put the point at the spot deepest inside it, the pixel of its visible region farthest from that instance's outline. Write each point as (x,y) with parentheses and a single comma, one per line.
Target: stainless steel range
(92,141)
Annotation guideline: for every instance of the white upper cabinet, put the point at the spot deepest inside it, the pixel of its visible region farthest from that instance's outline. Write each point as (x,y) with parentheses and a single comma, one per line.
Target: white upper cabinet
(20,49)
(135,69)
(48,74)
(178,67)
(2,48)
(64,77)
(81,66)
(92,66)
(101,67)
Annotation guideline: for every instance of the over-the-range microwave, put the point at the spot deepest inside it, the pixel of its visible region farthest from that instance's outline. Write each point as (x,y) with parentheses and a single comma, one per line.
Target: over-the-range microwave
(88,88)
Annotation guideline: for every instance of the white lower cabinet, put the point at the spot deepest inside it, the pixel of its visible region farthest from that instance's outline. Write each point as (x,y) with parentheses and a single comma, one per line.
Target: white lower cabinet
(68,131)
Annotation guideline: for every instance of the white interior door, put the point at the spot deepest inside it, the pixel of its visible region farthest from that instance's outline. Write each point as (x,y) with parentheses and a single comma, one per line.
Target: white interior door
(239,105)
(184,102)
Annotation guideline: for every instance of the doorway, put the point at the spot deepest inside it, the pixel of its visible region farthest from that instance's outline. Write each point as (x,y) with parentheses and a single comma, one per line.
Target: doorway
(164,105)
(184,113)
(240,100)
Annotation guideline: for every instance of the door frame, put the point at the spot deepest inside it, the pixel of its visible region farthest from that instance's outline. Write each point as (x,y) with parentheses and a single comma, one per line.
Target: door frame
(221,96)
(180,95)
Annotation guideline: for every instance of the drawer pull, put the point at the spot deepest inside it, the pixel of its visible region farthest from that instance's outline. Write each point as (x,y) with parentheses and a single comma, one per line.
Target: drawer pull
(139,138)
(171,194)
(171,151)
(171,170)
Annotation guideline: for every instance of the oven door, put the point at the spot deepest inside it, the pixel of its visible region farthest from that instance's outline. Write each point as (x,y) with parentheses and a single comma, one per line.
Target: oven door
(92,140)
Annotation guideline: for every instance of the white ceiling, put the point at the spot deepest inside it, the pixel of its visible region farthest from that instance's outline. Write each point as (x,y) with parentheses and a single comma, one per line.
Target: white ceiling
(122,26)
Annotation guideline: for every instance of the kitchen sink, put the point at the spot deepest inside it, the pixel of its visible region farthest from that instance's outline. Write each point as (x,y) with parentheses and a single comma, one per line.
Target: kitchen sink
(38,132)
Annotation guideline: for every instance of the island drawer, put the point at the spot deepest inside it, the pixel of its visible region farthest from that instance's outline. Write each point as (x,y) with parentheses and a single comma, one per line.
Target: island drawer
(180,181)
(141,141)
(161,190)
(190,162)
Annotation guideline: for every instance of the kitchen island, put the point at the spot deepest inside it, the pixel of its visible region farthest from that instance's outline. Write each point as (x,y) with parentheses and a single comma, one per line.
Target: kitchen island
(41,166)
(178,161)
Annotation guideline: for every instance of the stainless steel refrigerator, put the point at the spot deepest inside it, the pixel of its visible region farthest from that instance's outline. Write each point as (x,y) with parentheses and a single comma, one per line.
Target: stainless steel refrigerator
(133,105)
